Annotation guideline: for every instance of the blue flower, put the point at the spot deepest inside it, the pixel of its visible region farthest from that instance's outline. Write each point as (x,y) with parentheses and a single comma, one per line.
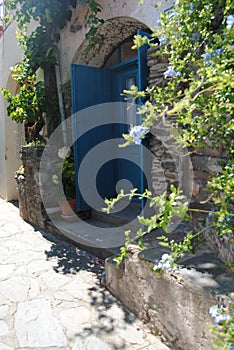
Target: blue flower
(158,22)
(211,212)
(221,317)
(164,39)
(213,310)
(166,265)
(171,73)
(219,314)
(166,262)
(191,9)
(229,218)
(230,21)
(230,347)
(208,57)
(217,52)
(137,132)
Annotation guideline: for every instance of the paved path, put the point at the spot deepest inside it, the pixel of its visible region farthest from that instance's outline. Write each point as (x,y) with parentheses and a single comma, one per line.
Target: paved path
(51,298)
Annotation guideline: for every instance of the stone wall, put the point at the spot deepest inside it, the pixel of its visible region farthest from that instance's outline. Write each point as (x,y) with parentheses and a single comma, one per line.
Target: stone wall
(169,166)
(175,304)
(30,202)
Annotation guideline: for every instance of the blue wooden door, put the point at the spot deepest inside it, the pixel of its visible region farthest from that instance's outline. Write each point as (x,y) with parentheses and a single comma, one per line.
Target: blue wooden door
(92,86)
(128,166)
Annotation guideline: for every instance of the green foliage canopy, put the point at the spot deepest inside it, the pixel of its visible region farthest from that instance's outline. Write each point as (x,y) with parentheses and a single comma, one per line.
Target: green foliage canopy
(41,51)
(40,47)
(198,39)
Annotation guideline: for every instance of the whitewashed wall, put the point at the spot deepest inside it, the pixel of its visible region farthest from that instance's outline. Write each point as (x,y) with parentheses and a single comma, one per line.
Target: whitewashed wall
(73,36)
(10,54)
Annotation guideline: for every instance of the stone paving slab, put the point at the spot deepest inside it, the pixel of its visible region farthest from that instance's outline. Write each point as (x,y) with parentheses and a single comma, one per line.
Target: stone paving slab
(51,297)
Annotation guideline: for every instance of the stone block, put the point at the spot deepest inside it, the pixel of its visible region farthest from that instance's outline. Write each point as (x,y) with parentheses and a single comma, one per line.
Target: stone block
(167,164)
(203,175)
(158,67)
(36,327)
(170,175)
(206,163)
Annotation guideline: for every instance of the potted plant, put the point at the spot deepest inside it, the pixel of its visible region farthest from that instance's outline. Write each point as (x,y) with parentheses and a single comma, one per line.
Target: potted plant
(66,176)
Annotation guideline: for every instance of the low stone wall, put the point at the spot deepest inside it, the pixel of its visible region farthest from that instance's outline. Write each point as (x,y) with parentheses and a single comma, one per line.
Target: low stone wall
(224,246)
(175,304)
(30,203)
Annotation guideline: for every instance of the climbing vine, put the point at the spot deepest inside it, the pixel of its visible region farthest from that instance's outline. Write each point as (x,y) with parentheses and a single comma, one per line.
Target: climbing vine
(41,50)
(197,99)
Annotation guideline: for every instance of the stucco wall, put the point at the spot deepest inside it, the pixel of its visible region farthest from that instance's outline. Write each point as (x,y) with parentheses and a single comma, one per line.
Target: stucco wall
(10,55)
(73,36)
(3,189)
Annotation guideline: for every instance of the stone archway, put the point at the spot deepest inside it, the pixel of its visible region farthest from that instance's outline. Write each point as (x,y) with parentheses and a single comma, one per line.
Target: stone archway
(110,34)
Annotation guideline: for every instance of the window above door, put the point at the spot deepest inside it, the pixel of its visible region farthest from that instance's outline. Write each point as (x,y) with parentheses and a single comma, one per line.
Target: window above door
(122,53)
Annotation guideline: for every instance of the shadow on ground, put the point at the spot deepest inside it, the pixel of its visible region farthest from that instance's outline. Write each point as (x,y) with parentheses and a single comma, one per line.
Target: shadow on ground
(110,313)
(69,258)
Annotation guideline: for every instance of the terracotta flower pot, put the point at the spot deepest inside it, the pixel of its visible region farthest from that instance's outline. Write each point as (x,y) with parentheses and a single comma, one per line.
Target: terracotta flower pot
(68,208)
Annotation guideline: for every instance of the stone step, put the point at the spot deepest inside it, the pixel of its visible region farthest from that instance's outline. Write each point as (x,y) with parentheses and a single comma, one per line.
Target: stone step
(126,218)
(97,237)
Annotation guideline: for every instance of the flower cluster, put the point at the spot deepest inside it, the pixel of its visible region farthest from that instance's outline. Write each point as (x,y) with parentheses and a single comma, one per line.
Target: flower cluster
(223,320)
(64,152)
(230,21)
(191,8)
(163,39)
(66,172)
(137,133)
(219,314)
(208,57)
(171,73)
(165,263)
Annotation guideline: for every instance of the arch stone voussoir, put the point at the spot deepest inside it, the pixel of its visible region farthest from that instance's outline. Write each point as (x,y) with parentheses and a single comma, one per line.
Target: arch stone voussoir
(109,35)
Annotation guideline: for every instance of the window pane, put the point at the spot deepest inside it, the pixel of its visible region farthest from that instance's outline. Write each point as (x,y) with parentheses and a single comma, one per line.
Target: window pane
(127,52)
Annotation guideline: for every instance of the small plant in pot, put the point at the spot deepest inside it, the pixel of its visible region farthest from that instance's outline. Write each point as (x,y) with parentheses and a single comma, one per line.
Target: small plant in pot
(66,176)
